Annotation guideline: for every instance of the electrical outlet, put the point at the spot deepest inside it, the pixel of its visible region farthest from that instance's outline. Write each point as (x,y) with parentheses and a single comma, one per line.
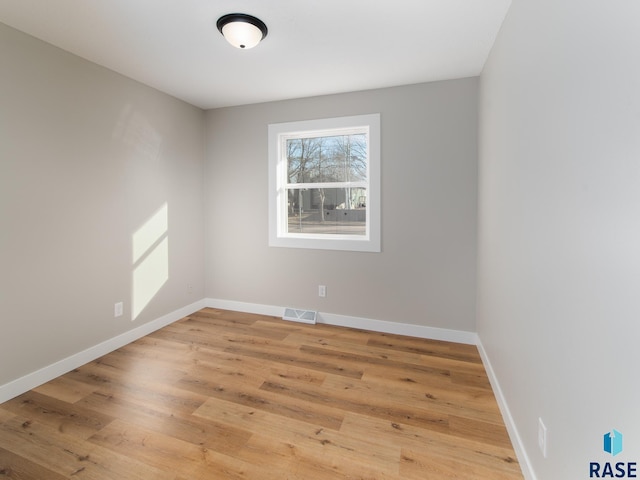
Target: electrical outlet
(189,288)
(542,437)
(118,309)
(322,290)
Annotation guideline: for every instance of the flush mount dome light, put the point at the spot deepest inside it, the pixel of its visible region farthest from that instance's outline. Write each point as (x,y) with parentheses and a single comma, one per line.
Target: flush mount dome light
(241,30)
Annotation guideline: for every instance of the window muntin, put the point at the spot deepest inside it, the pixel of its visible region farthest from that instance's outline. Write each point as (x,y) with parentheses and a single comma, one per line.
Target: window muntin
(324,182)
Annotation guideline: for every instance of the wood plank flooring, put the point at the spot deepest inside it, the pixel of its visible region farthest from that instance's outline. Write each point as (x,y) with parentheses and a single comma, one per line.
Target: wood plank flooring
(227,395)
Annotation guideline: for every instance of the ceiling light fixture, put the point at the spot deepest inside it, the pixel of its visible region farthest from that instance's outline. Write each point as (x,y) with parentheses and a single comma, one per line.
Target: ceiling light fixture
(241,30)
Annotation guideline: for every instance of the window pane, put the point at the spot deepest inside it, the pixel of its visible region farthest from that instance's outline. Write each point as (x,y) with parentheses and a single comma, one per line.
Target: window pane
(327,211)
(341,158)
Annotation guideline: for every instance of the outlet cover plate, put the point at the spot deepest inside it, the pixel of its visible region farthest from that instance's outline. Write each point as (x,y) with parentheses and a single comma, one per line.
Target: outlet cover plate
(542,437)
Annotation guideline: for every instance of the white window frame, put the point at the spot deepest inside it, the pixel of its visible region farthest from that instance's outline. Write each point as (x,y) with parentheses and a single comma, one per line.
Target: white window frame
(278,216)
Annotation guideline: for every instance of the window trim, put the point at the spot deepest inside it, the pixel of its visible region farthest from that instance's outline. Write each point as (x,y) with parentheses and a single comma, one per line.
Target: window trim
(278,235)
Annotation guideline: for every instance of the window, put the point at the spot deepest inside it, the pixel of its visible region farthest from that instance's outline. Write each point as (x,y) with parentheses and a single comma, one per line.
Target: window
(324,184)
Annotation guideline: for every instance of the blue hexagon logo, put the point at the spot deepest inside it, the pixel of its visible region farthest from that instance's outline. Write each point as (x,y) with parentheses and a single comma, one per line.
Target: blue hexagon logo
(613,442)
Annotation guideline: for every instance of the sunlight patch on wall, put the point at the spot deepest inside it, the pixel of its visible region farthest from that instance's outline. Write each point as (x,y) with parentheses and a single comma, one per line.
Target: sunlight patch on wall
(150,260)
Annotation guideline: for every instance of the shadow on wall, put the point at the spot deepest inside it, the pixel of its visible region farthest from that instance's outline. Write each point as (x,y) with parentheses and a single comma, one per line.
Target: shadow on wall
(135,131)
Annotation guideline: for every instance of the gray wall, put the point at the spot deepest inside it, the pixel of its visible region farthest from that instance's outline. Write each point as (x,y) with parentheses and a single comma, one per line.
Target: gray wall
(86,158)
(425,274)
(559,237)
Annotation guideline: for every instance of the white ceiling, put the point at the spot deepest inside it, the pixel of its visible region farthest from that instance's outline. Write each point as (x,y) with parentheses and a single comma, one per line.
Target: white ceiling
(314,47)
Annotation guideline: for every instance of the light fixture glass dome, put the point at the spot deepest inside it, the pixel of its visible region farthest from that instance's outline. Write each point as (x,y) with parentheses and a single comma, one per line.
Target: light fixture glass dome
(241,30)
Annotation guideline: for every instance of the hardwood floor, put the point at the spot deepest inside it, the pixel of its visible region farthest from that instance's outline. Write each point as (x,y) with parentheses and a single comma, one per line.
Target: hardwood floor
(227,395)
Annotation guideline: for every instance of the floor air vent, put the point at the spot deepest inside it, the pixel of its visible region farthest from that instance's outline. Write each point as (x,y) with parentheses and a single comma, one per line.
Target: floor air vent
(304,316)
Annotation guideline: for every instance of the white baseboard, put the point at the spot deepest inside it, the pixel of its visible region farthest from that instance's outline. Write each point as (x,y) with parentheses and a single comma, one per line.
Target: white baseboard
(411,330)
(34,379)
(518,446)
(245,307)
